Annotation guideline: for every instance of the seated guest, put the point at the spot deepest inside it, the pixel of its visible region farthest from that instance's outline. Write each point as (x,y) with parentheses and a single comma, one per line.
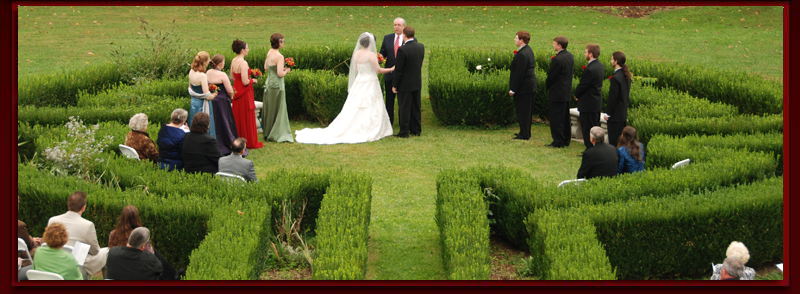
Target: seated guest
(128,221)
(738,251)
(80,229)
(130,262)
(170,141)
(732,269)
(139,140)
(630,151)
(52,258)
(200,150)
(235,164)
(601,160)
(31,244)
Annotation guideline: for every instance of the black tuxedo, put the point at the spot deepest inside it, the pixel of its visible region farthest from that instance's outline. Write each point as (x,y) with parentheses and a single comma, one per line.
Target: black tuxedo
(523,83)
(617,107)
(200,153)
(590,101)
(408,81)
(559,86)
(600,161)
(387,50)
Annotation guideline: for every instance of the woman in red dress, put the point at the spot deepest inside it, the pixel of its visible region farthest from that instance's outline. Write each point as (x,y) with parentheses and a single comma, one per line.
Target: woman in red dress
(243,100)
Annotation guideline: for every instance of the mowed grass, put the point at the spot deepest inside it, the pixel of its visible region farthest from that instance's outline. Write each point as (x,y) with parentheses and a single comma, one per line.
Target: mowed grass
(404,240)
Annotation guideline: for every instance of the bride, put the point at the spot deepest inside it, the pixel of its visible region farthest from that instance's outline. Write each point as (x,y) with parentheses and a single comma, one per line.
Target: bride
(363,117)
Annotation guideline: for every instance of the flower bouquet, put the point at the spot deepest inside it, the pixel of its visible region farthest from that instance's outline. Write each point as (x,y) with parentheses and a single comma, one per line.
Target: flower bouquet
(381,59)
(256,73)
(212,88)
(289,61)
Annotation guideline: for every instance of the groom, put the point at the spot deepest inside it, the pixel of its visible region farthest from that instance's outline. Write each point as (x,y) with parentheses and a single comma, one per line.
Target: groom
(407,84)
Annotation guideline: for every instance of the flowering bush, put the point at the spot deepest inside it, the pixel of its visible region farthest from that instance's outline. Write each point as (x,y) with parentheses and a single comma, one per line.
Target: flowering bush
(75,155)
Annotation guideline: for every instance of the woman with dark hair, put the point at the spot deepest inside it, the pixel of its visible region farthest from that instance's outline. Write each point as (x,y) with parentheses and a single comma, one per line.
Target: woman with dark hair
(223,113)
(52,258)
(618,95)
(170,141)
(200,150)
(274,117)
(630,151)
(244,107)
(198,90)
(127,222)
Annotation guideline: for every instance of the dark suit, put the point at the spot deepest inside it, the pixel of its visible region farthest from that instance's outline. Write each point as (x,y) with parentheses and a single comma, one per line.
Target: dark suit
(408,81)
(387,50)
(235,164)
(200,153)
(523,83)
(559,86)
(590,101)
(126,263)
(600,161)
(617,108)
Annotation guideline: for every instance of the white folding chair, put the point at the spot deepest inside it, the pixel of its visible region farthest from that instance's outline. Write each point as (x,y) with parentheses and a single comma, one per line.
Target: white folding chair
(128,151)
(67,248)
(574,182)
(21,246)
(230,177)
(40,275)
(681,163)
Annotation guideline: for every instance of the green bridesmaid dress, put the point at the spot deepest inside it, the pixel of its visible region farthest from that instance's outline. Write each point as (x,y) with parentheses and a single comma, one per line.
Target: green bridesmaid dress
(274,118)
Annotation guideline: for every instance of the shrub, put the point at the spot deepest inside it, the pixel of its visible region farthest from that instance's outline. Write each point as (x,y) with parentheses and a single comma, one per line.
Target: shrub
(146,92)
(61,89)
(163,56)
(665,150)
(343,229)
(75,154)
(324,94)
(157,112)
(647,127)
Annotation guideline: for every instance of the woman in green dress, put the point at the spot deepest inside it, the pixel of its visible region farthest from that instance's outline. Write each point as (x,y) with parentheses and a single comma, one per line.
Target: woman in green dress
(274,118)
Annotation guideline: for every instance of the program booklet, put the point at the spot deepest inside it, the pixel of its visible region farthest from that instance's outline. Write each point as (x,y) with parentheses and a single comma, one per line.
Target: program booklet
(80,251)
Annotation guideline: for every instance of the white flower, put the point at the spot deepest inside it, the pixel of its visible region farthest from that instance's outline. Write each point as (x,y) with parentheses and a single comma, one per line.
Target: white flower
(490,59)
(478,67)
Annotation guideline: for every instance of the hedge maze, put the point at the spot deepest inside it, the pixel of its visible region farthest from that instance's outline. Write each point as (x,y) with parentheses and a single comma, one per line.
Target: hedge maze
(660,224)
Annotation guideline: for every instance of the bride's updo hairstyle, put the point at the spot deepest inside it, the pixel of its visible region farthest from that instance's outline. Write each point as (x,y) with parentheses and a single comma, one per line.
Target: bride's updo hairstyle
(199,63)
(364,41)
(275,40)
(238,46)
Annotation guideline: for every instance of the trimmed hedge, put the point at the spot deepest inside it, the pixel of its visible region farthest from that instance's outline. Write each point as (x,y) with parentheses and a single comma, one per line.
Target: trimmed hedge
(744,124)
(40,137)
(665,237)
(463,227)
(157,112)
(665,150)
(62,88)
(343,229)
(324,94)
(146,93)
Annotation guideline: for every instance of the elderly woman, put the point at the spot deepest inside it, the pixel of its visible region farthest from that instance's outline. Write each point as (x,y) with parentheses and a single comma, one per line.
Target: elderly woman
(53,259)
(200,150)
(170,141)
(739,251)
(139,140)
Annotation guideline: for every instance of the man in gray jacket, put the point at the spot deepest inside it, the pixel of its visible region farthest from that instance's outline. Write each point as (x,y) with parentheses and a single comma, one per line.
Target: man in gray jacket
(235,164)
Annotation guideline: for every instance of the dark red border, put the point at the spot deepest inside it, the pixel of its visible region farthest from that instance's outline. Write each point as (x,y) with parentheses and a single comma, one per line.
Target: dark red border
(790,40)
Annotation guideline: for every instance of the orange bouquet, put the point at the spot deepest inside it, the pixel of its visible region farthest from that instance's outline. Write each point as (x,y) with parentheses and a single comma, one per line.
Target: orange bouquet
(212,88)
(289,61)
(381,59)
(256,73)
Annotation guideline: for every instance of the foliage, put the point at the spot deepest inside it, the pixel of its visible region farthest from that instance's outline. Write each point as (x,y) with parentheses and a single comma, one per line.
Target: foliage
(324,94)
(60,89)
(163,55)
(75,154)
(144,93)
(157,112)
(682,126)
(665,150)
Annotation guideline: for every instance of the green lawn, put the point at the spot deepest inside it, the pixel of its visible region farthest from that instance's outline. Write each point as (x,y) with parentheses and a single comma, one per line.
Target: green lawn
(404,238)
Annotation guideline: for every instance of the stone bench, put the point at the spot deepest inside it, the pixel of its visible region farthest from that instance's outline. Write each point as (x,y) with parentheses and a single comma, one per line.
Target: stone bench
(259,105)
(575,123)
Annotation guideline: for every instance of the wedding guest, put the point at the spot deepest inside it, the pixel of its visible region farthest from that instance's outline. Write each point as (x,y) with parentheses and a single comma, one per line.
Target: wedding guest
(128,221)
(588,94)
(200,150)
(198,90)
(235,164)
(130,262)
(274,117)
(83,230)
(170,141)
(559,87)
(244,113)
(523,83)
(600,160)
(630,151)
(739,252)
(52,258)
(223,113)
(618,95)
(391,43)
(31,243)
(139,140)
(732,269)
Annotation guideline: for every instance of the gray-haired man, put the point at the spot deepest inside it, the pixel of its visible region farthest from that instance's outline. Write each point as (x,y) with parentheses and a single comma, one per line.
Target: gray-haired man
(131,262)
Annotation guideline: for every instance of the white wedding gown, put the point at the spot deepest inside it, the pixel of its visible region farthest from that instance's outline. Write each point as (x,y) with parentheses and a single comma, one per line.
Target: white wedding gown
(362,119)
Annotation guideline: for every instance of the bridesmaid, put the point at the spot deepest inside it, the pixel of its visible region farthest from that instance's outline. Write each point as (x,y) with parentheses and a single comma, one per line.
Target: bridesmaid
(274,118)
(198,82)
(243,100)
(223,113)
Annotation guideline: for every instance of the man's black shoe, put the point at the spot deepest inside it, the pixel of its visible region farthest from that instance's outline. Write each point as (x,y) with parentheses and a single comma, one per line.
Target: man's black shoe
(401,136)
(518,138)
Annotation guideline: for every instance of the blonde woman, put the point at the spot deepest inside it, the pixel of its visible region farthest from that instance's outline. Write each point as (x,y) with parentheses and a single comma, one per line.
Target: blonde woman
(739,251)
(198,90)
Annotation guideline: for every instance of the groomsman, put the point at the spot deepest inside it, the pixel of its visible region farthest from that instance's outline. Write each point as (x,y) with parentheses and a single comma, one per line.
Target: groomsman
(391,43)
(590,102)
(522,83)
(618,97)
(559,85)
(407,84)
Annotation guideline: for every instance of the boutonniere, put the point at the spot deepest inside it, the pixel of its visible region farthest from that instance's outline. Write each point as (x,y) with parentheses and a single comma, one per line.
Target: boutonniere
(609,77)
(584,67)
(552,57)
(515,52)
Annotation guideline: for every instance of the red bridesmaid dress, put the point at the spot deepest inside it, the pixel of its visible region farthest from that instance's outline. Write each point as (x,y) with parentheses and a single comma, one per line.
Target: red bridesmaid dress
(244,112)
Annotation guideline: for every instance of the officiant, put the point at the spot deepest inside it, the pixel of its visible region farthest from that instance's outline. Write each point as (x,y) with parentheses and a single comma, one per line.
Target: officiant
(391,43)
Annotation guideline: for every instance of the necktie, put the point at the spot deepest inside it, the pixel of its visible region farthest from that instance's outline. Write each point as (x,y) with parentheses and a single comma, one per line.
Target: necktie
(396,45)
